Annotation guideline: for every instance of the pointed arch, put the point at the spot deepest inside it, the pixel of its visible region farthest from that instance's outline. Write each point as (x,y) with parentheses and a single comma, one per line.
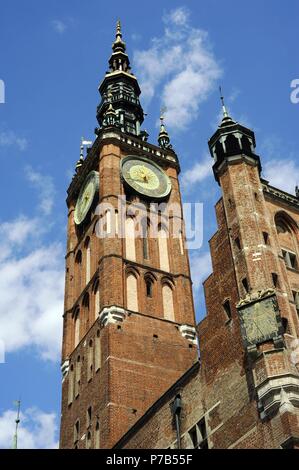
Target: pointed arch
(163,248)
(132,291)
(96,294)
(168,302)
(87,247)
(130,238)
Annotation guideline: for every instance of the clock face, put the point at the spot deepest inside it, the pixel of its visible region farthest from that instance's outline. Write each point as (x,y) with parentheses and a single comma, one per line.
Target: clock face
(260,321)
(86,196)
(145,177)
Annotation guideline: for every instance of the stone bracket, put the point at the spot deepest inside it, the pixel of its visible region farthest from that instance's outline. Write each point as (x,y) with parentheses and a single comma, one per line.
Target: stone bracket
(188,332)
(112,314)
(65,368)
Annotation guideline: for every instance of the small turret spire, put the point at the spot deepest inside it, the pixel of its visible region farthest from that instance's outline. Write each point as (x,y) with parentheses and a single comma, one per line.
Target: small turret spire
(119,45)
(225,113)
(163,138)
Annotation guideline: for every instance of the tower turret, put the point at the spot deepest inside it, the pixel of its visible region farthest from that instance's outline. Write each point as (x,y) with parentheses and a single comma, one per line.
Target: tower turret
(232,143)
(120,91)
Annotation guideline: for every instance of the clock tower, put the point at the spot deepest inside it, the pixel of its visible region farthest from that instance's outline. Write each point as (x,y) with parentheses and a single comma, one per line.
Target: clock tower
(128,324)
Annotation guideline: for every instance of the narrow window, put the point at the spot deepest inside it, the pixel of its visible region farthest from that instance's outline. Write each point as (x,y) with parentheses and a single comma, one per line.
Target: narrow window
(90,361)
(76,431)
(163,249)
(77,328)
(97,436)
(181,241)
(78,271)
(285,324)
(227,309)
(149,287)
(87,259)
(71,384)
(85,309)
(275,280)
(245,285)
(88,440)
(145,234)
(168,307)
(193,437)
(296,299)
(266,238)
(238,243)
(88,416)
(97,352)
(96,300)
(78,376)
(130,239)
(203,437)
(132,298)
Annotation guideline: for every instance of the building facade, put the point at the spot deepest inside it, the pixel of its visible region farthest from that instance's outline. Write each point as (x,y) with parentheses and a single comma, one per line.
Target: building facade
(129,325)
(132,377)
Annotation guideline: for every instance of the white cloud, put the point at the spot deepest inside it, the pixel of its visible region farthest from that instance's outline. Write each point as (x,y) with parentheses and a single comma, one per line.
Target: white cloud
(31,285)
(182,63)
(199,172)
(9,138)
(201,268)
(59,26)
(45,187)
(283,174)
(179,16)
(37,429)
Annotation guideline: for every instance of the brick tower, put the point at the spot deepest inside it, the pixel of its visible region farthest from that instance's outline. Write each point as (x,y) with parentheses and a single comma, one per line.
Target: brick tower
(128,331)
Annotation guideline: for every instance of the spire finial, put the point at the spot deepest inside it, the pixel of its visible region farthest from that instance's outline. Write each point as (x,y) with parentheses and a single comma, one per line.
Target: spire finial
(118,29)
(17,421)
(225,113)
(163,137)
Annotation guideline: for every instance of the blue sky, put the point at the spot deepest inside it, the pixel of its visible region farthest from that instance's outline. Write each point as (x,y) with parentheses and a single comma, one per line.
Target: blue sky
(53,56)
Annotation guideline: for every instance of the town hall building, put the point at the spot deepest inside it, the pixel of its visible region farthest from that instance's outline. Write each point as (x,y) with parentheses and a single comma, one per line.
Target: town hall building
(133,374)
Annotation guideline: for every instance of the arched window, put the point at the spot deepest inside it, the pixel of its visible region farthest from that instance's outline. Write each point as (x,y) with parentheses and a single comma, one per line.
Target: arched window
(130,239)
(246,146)
(85,311)
(108,222)
(87,260)
(181,241)
(149,286)
(163,248)
(88,440)
(132,296)
(97,352)
(286,232)
(168,307)
(76,327)
(78,376)
(145,238)
(90,361)
(78,271)
(96,291)
(97,436)
(232,144)
(71,384)
(219,151)
(76,431)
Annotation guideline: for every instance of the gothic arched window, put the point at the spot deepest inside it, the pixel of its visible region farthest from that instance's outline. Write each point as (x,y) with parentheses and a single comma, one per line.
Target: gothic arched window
(163,248)
(232,144)
(286,232)
(76,327)
(168,306)
(130,239)
(132,295)
(96,293)
(87,260)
